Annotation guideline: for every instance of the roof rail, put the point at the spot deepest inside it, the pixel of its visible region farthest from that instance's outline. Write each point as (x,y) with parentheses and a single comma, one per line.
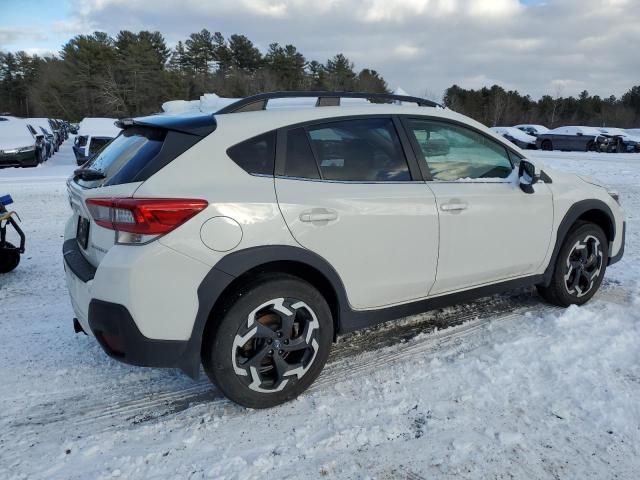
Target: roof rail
(325,99)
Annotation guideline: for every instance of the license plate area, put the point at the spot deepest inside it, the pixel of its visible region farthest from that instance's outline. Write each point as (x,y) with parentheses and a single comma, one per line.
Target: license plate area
(82,232)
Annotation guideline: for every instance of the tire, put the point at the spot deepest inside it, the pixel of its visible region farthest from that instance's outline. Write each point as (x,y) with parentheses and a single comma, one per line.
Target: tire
(9,259)
(251,355)
(591,147)
(579,268)
(547,145)
(620,147)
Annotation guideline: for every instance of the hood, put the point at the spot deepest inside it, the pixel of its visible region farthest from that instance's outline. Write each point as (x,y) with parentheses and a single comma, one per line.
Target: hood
(14,134)
(7,143)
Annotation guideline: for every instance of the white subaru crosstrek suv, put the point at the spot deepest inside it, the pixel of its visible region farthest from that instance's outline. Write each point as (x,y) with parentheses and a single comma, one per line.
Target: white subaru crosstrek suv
(246,240)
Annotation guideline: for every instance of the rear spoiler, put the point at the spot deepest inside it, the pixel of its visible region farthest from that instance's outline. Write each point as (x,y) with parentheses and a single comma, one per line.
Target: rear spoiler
(199,125)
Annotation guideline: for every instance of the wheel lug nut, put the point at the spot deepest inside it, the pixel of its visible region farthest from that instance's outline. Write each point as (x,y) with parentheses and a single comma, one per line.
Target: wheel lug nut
(269,341)
(280,352)
(286,342)
(270,352)
(279,334)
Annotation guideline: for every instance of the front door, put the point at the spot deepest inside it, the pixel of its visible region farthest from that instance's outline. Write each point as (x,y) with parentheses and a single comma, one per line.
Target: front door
(490,230)
(347,194)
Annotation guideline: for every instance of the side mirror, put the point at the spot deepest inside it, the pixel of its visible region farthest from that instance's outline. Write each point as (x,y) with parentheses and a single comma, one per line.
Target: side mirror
(527,176)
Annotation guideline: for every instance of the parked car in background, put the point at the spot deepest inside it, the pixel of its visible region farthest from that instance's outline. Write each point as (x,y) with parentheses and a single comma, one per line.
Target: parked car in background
(64,126)
(73,128)
(19,147)
(621,141)
(571,139)
(41,142)
(517,137)
(532,129)
(43,125)
(633,131)
(57,132)
(93,134)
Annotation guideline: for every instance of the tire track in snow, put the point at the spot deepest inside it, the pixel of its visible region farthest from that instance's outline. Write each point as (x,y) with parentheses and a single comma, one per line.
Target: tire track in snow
(354,355)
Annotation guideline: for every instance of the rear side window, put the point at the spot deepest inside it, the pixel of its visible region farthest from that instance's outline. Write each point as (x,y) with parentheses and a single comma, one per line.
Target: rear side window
(256,155)
(359,150)
(126,155)
(300,161)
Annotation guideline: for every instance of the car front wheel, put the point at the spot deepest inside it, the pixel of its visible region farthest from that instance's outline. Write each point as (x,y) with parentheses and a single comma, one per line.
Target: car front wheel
(579,268)
(271,343)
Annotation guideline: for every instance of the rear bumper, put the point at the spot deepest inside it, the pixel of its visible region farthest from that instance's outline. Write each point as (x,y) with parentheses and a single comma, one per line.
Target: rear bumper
(119,336)
(136,304)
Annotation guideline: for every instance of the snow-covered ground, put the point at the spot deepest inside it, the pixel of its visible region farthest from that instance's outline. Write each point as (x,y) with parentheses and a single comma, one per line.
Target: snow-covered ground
(512,388)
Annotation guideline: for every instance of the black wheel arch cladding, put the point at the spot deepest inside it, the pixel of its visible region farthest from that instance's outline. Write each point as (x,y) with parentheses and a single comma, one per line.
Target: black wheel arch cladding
(592,210)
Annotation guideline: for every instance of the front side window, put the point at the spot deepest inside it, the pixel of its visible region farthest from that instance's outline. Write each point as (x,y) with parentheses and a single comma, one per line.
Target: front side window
(349,150)
(457,153)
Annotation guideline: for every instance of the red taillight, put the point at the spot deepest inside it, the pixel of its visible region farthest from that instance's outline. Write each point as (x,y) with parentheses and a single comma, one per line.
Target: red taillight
(143,216)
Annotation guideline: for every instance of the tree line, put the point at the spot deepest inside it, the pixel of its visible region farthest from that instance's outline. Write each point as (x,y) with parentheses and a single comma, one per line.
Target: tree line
(132,74)
(495,106)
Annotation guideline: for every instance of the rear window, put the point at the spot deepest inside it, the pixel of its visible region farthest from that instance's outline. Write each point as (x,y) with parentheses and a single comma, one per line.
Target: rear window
(125,156)
(256,155)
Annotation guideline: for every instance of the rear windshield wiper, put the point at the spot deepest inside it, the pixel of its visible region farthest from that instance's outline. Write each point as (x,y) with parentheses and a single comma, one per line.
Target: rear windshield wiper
(88,174)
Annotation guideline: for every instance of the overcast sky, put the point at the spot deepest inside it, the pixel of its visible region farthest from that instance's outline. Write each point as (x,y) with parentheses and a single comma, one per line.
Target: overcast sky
(423,46)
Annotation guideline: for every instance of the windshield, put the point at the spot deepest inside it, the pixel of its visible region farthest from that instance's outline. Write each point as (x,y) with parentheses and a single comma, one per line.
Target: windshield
(125,156)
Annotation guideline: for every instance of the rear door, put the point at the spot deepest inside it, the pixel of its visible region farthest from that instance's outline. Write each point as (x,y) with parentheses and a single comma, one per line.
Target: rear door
(348,193)
(490,230)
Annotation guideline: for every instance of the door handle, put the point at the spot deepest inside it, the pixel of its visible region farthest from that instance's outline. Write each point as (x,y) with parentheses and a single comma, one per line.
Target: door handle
(318,215)
(453,207)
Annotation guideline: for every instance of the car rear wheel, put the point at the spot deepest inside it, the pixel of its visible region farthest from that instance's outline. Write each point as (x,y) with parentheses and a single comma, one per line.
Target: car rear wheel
(579,268)
(271,343)
(547,145)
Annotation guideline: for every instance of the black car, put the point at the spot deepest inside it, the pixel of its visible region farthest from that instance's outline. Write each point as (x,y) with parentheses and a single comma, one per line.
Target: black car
(571,139)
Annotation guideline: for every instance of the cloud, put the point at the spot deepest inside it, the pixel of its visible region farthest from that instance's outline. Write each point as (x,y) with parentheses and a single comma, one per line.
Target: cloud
(9,35)
(531,46)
